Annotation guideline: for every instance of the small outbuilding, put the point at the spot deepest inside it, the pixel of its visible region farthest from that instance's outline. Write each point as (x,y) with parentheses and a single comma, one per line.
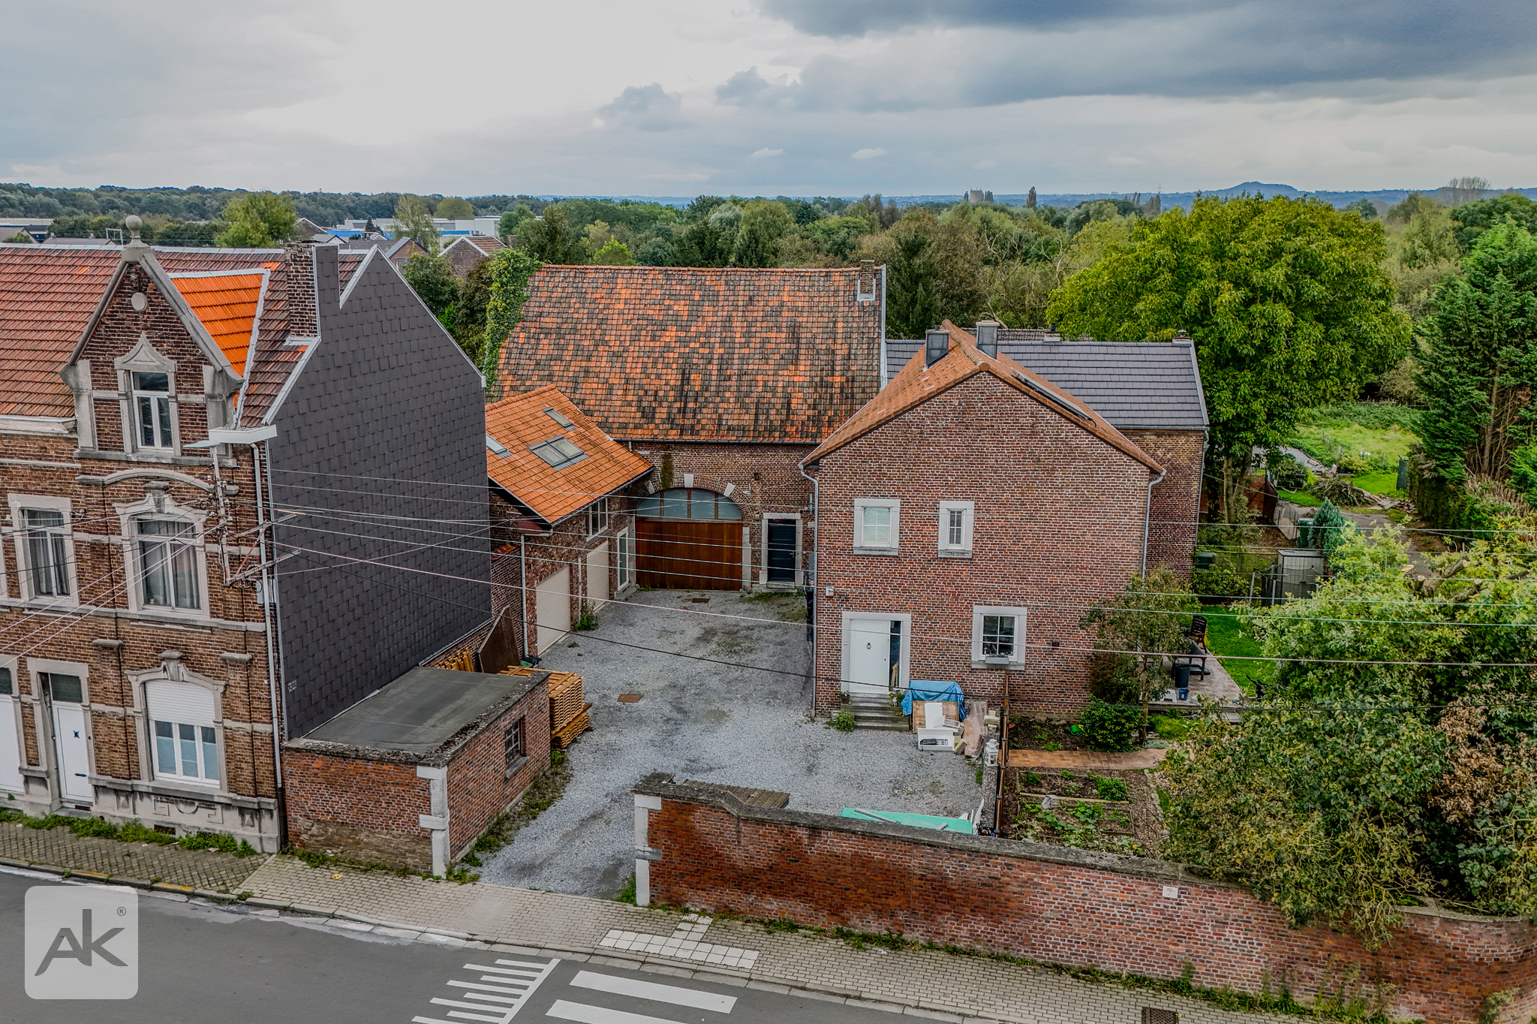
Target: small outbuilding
(413,775)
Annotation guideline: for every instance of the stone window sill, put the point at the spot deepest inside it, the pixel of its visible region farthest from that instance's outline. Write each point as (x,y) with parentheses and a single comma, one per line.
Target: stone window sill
(516,766)
(887,552)
(955,553)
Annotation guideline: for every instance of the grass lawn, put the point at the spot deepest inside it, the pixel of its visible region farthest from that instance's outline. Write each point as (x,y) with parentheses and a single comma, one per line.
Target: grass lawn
(1379,482)
(1371,429)
(1225,634)
(1299,498)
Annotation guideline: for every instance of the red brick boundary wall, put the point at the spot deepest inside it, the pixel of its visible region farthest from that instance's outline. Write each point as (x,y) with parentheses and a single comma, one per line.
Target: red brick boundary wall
(1063,906)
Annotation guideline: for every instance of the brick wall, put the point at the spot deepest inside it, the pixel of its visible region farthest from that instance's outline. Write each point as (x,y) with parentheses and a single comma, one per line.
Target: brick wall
(1058,524)
(767,481)
(479,787)
(1177,500)
(1063,906)
(360,809)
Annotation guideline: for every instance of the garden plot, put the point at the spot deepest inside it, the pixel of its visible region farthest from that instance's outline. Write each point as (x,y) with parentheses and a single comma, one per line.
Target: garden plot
(1112,811)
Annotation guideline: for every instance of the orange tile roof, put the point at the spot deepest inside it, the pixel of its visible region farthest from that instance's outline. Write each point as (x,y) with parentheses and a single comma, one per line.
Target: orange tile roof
(519,421)
(228,304)
(917,383)
(47,293)
(774,356)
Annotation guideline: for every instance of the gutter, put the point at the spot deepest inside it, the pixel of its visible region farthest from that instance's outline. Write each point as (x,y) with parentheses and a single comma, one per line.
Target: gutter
(1147,520)
(815,624)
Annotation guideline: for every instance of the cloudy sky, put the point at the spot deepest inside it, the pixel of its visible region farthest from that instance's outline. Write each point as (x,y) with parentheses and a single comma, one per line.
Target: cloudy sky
(796,97)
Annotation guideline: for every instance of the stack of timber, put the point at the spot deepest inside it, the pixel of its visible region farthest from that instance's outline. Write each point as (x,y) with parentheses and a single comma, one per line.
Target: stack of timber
(568,712)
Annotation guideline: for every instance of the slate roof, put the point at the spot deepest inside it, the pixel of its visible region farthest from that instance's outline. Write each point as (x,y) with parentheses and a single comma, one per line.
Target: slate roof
(916,384)
(48,293)
(519,421)
(1134,385)
(700,354)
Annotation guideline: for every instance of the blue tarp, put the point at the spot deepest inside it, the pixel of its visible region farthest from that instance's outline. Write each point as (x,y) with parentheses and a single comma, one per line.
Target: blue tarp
(933,821)
(928,689)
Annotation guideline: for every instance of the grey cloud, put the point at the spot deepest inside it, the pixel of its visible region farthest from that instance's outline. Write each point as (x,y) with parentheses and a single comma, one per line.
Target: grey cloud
(647,107)
(743,88)
(1033,50)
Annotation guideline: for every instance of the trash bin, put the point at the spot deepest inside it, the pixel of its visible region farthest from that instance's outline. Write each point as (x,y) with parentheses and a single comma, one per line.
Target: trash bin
(1205,559)
(1182,680)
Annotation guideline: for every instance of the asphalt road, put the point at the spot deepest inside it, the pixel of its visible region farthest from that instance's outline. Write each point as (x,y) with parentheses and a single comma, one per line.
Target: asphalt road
(203,963)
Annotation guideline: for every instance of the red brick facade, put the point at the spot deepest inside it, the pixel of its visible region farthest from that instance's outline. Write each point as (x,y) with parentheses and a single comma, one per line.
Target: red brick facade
(1177,499)
(1058,518)
(1060,906)
(479,787)
(100,633)
(764,479)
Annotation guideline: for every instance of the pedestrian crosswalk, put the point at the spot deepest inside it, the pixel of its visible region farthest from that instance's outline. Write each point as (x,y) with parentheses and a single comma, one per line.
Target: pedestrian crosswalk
(496,992)
(495,996)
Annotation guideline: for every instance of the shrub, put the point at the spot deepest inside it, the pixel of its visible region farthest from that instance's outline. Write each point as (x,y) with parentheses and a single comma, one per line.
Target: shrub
(842,720)
(1340,489)
(1110,789)
(1523,471)
(1288,473)
(1218,581)
(1108,727)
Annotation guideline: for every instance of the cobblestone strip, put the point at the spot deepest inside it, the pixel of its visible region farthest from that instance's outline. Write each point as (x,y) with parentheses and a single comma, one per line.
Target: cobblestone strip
(910,981)
(58,848)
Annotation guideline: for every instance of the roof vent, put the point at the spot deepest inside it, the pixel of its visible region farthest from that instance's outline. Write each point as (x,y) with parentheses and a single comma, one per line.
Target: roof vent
(987,337)
(936,346)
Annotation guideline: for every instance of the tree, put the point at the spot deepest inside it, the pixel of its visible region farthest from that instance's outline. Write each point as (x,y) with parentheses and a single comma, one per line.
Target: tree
(20,236)
(413,220)
(1478,369)
(1466,189)
(1136,630)
(1365,207)
(258,219)
(614,253)
(1476,218)
(1286,301)
(934,272)
(509,271)
(454,209)
(757,239)
(1414,202)
(434,281)
(512,219)
(1377,771)
(1030,199)
(552,239)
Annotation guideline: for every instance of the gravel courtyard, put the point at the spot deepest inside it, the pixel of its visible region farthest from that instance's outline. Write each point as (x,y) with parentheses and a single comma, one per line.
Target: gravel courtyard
(708,722)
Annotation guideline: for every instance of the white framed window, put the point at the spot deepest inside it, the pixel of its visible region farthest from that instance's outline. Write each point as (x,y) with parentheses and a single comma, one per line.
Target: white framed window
(955,527)
(876,525)
(168,556)
(597,517)
(151,400)
(184,733)
(997,637)
(45,548)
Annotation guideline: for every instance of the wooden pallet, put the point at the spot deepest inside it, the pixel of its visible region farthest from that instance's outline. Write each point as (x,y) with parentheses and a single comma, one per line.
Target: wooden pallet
(567,734)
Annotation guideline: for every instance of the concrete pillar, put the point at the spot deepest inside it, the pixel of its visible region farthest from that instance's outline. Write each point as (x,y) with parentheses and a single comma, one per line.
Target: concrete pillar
(437,822)
(644,854)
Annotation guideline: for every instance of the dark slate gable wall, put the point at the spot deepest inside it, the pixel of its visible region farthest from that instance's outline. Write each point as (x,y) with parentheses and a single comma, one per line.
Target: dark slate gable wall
(387,419)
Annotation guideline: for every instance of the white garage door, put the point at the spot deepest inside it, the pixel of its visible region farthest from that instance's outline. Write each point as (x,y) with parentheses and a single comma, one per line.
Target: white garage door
(597,576)
(552,608)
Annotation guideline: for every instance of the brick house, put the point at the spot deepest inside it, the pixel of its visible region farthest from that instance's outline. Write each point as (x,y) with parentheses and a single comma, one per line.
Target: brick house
(205,547)
(563,497)
(1149,391)
(966,517)
(467,252)
(725,379)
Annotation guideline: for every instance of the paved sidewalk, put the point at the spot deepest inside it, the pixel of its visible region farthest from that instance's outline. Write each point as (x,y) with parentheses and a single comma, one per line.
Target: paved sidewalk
(169,867)
(914,982)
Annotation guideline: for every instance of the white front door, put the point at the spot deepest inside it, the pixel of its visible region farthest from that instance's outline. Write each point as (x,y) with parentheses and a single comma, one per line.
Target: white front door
(552,609)
(597,576)
(66,696)
(869,647)
(10,746)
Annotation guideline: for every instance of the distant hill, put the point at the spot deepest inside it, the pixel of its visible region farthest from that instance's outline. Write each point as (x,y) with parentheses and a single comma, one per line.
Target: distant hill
(1382,197)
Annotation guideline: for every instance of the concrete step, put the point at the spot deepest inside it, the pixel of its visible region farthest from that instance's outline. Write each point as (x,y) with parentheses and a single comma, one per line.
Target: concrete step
(877,713)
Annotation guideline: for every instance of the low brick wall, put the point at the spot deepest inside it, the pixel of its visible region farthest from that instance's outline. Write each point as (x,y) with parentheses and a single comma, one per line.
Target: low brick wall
(1063,906)
(357,808)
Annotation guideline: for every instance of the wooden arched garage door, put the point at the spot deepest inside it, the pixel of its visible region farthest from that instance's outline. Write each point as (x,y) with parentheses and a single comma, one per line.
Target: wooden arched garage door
(687,538)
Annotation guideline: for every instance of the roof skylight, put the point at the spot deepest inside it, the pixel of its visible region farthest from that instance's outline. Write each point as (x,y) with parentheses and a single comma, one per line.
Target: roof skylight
(558,452)
(559,417)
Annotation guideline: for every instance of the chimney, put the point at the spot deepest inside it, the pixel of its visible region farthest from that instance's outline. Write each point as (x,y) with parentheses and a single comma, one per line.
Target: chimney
(1052,334)
(987,337)
(864,290)
(936,345)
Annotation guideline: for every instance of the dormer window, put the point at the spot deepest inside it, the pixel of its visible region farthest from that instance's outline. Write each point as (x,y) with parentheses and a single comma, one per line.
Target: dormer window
(152,409)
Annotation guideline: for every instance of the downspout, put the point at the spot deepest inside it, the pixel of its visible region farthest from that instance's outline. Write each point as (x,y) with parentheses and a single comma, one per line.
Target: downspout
(523,592)
(883,327)
(816,545)
(1147,519)
(268,596)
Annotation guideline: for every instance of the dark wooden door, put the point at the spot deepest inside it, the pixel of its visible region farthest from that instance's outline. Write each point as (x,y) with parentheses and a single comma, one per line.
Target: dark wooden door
(688,554)
(781,550)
